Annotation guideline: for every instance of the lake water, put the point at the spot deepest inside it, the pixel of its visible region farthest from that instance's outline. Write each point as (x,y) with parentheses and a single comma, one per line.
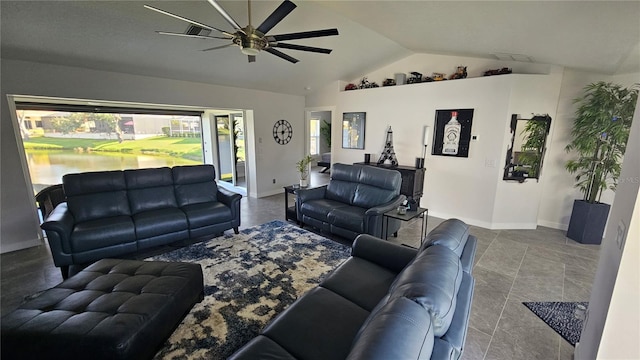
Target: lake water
(48,167)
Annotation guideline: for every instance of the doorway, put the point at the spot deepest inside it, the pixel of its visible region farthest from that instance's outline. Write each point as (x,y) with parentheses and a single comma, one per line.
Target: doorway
(231,154)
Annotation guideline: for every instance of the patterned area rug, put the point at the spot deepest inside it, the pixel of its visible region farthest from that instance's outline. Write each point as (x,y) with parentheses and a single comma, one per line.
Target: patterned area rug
(249,278)
(561,317)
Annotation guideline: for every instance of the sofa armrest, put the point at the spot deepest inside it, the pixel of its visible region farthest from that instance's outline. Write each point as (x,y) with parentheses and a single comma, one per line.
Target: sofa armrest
(373,217)
(58,227)
(232,201)
(227,197)
(304,195)
(381,252)
(381,209)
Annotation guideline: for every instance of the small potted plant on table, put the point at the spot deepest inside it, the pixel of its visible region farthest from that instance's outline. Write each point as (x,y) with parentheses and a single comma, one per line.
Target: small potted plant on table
(304,169)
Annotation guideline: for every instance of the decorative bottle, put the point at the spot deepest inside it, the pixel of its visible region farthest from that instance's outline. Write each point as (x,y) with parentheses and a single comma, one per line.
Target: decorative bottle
(451,135)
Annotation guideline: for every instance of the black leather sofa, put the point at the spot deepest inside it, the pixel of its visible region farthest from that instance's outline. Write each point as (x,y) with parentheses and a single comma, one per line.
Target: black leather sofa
(353,202)
(386,301)
(118,213)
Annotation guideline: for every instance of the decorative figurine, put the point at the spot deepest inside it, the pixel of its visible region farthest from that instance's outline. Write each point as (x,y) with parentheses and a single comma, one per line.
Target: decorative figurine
(389,82)
(351,87)
(439,76)
(415,78)
(461,73)
(502,71)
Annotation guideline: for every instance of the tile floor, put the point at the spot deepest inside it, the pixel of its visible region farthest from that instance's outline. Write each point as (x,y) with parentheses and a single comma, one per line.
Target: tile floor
(511,266)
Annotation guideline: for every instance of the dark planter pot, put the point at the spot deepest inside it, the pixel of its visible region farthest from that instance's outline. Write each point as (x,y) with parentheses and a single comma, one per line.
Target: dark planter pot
(588,221)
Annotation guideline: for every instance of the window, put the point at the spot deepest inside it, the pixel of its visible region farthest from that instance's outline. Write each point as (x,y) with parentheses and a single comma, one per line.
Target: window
(314,139)
(63,140)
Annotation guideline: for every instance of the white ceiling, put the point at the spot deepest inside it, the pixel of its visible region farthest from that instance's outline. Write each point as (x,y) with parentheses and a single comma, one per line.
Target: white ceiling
(598,36)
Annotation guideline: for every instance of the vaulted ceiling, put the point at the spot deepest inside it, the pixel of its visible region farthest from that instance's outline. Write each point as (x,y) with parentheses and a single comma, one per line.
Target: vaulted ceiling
(597,36)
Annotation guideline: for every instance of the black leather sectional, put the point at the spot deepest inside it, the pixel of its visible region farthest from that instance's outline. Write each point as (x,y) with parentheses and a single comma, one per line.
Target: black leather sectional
(386,301)
(117,213)
(353,202)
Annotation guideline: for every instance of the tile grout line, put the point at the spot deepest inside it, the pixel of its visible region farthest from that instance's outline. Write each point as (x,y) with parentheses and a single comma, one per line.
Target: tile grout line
(505,302)
(485,252)
(564,276)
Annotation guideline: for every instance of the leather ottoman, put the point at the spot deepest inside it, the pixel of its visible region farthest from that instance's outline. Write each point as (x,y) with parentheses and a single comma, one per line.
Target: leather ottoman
(113,309)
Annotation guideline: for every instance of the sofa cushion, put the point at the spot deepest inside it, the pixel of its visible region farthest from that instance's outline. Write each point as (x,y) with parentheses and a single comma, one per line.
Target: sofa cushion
(320,208)
(158,222)
(95,195)
(348,217)
(320,325)
(401,329)
(102,233)
(342,186)
(432,279)
(150,189)
(205,214)
(360,281)
(451,233)
(376,186)
(195,184)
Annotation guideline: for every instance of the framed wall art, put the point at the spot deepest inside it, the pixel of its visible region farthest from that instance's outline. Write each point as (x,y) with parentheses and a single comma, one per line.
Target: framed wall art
(353,126)
(452,132)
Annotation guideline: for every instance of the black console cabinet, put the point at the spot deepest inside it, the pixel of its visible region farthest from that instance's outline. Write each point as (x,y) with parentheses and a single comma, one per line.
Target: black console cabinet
(412,179)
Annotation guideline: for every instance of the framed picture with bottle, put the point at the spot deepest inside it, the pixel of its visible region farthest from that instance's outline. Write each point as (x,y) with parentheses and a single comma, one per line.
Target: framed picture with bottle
(452,132)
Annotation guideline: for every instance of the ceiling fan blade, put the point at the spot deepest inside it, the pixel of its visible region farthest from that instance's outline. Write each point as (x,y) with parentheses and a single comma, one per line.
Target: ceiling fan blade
(226,16)
(186,19)
(218,47)
(251,58)
(281,55)
(191,36)
(302,48)
(303,35)
(276,16)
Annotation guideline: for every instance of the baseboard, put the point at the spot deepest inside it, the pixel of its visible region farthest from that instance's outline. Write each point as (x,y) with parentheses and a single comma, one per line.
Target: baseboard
(467,221)
(553,225)
(19,246)
(513,226)
(270,192)
(484,224)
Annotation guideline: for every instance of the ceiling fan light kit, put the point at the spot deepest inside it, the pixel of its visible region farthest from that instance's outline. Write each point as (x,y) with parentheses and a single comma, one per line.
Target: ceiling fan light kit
(251,40)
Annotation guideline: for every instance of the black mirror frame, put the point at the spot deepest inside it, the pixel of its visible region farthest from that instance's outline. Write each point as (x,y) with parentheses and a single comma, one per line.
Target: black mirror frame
(508,175)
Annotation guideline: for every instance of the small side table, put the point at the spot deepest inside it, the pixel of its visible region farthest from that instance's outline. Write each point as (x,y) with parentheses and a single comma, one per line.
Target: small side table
(290,212)
(410,215)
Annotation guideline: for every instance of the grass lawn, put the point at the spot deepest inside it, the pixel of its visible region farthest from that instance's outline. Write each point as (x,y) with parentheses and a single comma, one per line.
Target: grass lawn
(187,148)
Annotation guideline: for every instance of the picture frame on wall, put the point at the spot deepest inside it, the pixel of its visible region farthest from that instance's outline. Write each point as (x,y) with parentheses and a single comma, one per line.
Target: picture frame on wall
(452,132)
(353,126)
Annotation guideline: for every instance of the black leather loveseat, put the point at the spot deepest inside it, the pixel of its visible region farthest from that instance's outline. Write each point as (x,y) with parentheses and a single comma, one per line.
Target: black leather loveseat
(118,213)
(353,202)
(385,302)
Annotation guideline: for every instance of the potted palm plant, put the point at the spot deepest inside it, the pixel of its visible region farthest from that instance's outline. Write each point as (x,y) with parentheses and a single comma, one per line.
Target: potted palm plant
(599,139)
(304,169)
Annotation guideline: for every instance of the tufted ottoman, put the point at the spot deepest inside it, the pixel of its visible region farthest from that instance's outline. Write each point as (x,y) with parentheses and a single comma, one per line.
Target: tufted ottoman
(114,309)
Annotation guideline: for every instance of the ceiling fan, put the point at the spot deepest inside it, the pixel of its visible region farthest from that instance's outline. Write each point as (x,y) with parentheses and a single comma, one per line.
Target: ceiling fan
(251,40)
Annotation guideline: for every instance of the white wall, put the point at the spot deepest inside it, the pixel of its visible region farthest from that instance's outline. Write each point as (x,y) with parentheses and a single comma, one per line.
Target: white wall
(454,187)
(612,329)
(552,198)
(517,204)
(272,161)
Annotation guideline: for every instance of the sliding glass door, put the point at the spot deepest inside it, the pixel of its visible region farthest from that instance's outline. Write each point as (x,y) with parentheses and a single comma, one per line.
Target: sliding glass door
(230,132)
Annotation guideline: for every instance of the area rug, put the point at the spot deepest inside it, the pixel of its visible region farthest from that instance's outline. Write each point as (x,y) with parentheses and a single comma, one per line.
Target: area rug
(248,279)
(560,316)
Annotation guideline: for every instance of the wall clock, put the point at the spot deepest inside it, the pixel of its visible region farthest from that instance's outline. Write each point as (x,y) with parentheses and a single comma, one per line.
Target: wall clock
(282,132)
